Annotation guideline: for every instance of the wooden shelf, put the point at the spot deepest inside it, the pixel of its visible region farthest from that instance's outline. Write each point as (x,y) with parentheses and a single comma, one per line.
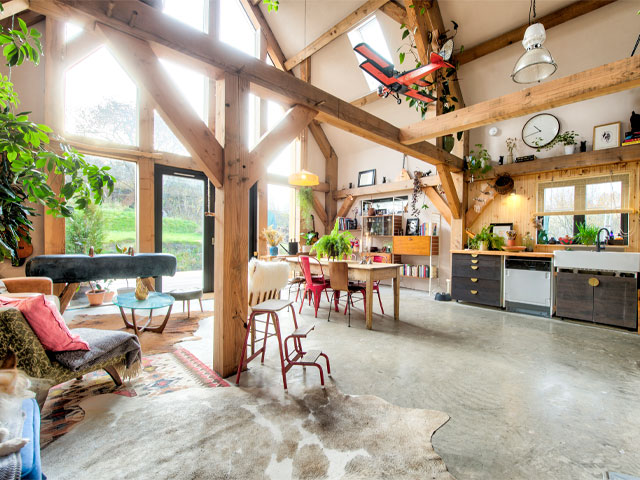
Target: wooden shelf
(566,162)
(389,187)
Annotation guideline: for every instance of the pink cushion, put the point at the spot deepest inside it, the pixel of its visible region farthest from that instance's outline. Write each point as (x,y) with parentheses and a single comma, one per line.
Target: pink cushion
(48,325)
(9,301)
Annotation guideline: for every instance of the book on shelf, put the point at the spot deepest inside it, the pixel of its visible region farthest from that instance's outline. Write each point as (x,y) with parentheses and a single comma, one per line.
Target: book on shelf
(417,271)
(345,223)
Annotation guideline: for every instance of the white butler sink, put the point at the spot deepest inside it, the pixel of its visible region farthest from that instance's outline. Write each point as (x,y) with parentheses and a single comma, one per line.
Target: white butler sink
(612,261)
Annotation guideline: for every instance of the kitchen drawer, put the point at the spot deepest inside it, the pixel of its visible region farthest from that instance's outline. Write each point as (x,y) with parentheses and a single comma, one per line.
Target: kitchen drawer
(484,291)
(477,266)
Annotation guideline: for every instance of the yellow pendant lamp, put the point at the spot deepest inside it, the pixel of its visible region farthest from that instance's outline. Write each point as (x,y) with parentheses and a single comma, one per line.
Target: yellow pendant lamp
(303,178)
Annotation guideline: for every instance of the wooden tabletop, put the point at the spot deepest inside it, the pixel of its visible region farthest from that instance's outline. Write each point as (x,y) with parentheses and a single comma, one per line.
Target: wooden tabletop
(503,253)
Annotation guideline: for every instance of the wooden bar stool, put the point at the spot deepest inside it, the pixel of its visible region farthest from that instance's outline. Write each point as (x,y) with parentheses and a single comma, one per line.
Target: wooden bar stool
(297,356)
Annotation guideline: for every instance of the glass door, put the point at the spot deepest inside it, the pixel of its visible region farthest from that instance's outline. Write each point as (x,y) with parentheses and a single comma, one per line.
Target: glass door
(184,224)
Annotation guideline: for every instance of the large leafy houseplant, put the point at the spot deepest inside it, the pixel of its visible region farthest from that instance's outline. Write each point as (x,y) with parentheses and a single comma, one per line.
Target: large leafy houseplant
(27,160)
(335,245)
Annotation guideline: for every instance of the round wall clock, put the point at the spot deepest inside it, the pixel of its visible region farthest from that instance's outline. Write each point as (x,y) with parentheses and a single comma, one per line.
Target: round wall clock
(540,130)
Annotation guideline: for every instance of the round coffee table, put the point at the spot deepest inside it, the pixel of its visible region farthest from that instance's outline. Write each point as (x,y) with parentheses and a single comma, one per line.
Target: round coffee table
(153,301)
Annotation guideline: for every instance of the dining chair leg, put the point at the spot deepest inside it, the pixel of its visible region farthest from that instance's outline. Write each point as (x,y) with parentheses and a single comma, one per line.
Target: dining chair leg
(380,300)
(201,309)
(304,295)
(349,307)
(266,334)
(333,295)
(316,302)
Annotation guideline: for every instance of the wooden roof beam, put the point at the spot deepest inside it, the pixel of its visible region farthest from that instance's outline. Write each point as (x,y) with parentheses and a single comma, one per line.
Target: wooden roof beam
(139,60)
(260,23)
(167,34)
(556,18)
(13,8)
(438,202)
(395,11)
(610,78)
(343,26)
(276,140)
(450,191)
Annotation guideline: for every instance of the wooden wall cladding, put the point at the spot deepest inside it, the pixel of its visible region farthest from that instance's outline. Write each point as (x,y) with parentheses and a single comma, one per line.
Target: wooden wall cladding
(519,208)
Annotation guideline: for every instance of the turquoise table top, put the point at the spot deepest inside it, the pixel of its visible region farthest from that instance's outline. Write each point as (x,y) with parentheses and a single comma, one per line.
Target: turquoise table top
(154,300)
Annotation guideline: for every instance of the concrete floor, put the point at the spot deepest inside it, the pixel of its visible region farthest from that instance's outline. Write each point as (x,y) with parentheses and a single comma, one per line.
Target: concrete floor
(528,397)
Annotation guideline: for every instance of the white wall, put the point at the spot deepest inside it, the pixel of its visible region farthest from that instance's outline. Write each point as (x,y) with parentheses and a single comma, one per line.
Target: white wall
(597,38)
(28,82)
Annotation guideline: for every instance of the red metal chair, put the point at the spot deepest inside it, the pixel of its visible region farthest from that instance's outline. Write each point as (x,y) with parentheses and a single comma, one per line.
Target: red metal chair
(314,284)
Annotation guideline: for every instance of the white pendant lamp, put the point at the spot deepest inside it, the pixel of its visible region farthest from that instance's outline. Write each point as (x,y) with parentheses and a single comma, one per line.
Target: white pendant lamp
(536,63)
(303,178)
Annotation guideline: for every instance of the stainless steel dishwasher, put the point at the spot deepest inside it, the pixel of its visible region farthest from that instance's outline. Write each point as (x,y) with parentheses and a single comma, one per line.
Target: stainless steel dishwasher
(528,285)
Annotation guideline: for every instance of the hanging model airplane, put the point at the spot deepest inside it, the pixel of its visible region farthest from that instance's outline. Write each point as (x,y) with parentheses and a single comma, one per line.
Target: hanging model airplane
(396,83)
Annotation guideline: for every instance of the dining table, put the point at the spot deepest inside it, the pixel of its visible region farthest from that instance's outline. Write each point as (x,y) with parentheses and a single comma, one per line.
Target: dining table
(362,272)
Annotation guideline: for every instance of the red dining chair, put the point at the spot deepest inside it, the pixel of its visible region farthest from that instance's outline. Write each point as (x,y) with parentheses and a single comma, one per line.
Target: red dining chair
(314,284)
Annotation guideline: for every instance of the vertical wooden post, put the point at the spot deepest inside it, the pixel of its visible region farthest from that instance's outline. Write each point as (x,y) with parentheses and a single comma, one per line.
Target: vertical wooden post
(263,188)
(145,218)
(54,231)
(232,218)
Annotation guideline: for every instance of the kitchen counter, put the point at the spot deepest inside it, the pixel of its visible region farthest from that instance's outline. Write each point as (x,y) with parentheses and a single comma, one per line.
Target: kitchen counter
(503,253)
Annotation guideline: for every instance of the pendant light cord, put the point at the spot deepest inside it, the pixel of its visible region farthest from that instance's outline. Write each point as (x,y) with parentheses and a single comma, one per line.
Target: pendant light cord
(532,9)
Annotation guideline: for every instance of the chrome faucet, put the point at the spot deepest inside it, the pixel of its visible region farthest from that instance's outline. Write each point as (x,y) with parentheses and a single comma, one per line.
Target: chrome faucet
(598,238)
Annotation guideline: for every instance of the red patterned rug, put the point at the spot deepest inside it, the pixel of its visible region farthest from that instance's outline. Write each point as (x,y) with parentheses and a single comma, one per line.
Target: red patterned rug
(162,373)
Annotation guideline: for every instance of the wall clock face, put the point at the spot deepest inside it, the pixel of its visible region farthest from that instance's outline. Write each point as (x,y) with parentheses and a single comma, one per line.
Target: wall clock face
(540,130)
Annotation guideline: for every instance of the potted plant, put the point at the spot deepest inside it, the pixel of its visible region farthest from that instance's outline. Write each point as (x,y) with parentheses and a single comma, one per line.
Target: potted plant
(479,162)
(309,239)
(511,238)
(95,295)
(483,239)
(108,293)
(335,245)
(273,238)
(512,143)
(587,234)
(568,139)
(305,198)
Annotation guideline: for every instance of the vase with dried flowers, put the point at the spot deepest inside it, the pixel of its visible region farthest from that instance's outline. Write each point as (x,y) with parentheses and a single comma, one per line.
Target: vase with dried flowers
(511,238)
(273,239)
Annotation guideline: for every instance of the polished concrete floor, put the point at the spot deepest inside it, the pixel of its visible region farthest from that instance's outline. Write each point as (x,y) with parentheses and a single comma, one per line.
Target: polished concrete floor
(529,398)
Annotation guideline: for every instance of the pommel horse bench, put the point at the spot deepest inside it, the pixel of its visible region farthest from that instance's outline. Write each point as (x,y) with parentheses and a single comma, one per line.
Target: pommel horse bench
(70,270)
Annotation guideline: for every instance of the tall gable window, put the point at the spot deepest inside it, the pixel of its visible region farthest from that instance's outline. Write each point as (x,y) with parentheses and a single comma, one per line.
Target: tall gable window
(191,12)
(236,28)
(101,101)
(371,34)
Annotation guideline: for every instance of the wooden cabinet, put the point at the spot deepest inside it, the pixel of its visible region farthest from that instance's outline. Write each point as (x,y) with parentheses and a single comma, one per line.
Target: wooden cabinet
(415,245)
(476,278)
(601,299)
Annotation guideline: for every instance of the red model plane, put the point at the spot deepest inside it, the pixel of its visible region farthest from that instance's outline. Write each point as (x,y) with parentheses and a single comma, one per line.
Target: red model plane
(396,83)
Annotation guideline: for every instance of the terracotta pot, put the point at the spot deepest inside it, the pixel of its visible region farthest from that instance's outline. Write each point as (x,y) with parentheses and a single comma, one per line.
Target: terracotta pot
(511,242)
(108,296)
(95,298)
(371,211)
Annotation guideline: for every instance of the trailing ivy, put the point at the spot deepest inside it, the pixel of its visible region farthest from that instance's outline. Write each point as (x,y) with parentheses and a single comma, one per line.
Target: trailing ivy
(27,159)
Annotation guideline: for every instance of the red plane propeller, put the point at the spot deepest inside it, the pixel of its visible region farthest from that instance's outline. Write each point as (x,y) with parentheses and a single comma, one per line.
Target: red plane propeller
(396,83)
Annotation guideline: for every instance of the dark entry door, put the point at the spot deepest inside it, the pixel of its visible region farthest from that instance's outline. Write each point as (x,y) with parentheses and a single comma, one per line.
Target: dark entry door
(183,198)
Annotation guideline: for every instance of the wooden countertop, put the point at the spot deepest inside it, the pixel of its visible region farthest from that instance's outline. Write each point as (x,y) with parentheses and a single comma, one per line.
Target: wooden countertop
(503,253)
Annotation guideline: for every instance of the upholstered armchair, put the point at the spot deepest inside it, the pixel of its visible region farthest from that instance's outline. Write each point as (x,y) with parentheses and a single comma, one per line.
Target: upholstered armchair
(23,287)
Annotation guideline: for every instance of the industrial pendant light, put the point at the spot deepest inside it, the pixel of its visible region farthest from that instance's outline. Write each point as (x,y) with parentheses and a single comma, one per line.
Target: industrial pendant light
(303,178)
(536,63)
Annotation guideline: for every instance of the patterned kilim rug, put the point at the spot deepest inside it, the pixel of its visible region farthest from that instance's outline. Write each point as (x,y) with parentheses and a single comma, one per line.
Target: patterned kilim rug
(162,373)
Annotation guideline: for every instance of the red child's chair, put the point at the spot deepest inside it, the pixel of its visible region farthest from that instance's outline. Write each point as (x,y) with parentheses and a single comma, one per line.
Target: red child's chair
(314,284)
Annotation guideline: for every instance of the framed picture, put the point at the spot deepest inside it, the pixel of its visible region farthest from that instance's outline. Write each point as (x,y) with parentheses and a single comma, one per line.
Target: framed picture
(501,229)
(413,226)
(367,178)
(606,136)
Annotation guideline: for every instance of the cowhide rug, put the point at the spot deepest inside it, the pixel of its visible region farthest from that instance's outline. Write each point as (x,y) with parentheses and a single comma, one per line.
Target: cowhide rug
(235,433)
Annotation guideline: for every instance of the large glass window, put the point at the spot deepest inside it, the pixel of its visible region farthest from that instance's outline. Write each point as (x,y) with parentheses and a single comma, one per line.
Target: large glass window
(236,28)
(371,34)
(193,87)
(279,208)
(114,221)
(596,201)
(101,101)
(191,12)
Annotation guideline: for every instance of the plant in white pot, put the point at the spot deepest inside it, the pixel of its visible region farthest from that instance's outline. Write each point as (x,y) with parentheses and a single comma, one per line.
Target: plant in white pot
(511,143)
(568,139)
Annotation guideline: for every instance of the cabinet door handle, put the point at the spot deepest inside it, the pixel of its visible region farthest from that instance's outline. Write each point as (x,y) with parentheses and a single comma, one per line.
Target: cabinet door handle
(474,280)
(474,267)
(474,255)
(474,292)
(594,282)
(474,261)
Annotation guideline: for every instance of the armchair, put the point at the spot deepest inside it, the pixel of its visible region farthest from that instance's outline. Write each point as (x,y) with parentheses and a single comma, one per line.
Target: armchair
(22,287)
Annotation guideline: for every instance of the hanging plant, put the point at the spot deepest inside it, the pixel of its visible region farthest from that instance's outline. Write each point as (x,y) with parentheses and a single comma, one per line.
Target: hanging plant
(27,161)
(305,198)
(479,162)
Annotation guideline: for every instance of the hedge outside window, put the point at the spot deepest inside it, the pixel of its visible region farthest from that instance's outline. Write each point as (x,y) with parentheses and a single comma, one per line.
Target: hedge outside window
(601,201)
